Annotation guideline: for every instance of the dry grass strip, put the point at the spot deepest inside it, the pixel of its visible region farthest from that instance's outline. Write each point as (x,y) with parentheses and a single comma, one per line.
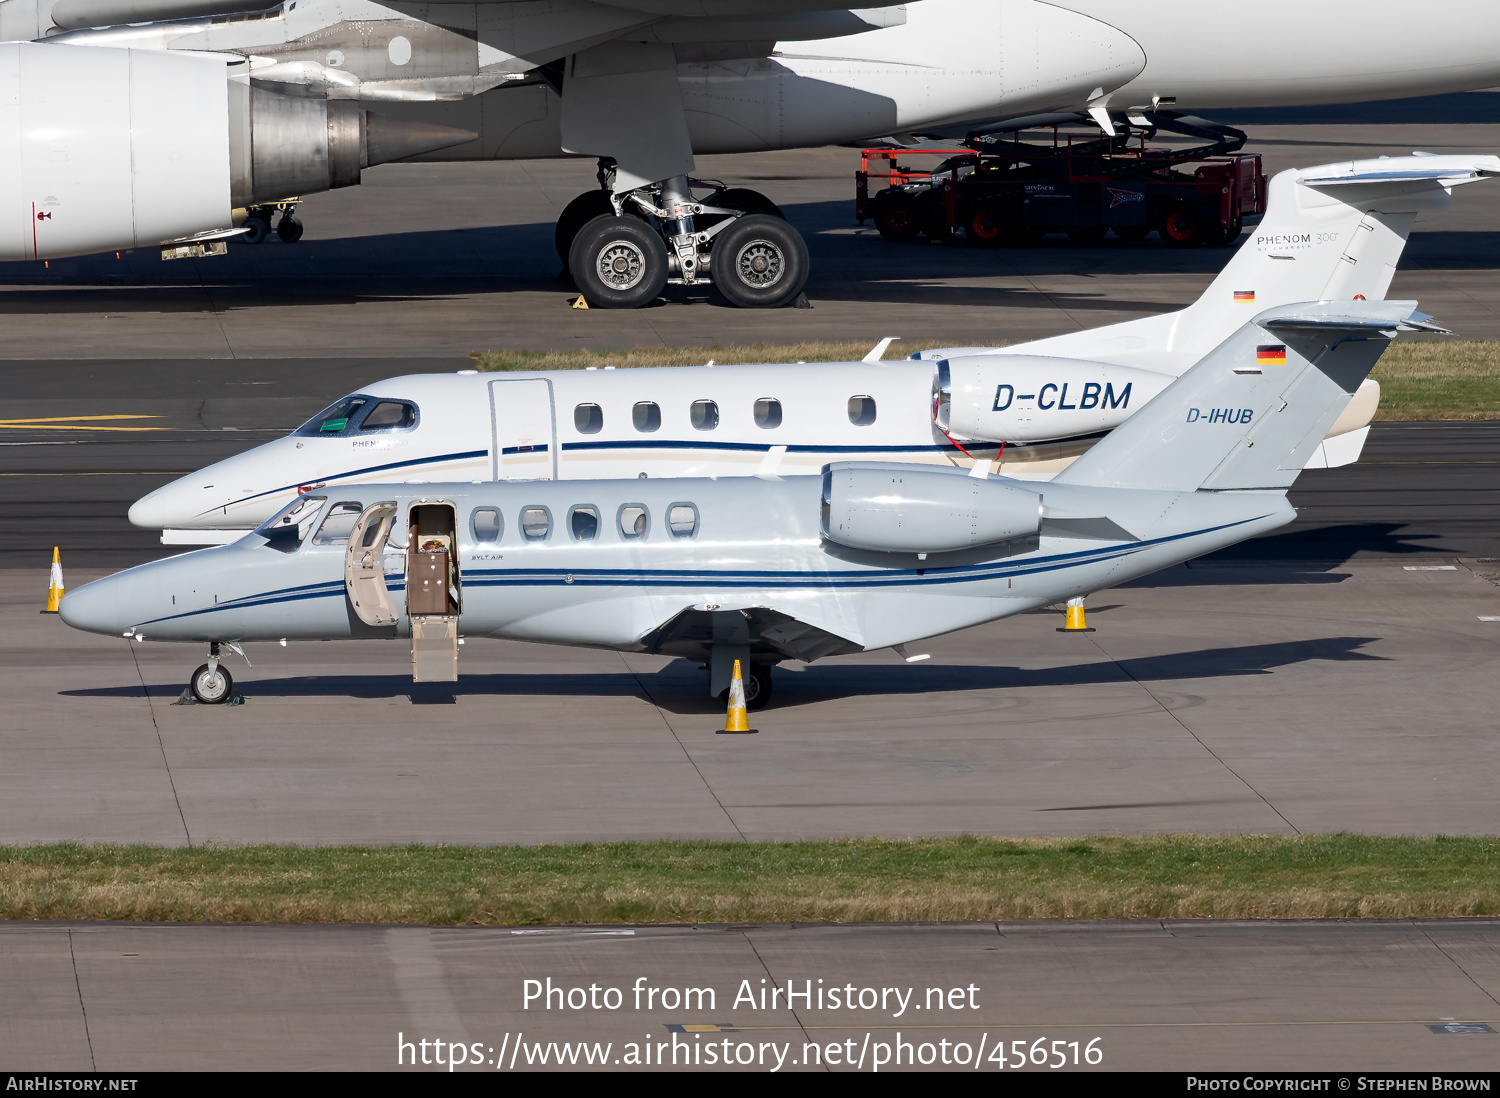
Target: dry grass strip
(1419,379)
(969,878)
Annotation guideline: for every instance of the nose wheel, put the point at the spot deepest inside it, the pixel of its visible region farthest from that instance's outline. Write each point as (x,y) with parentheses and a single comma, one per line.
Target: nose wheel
(211,685)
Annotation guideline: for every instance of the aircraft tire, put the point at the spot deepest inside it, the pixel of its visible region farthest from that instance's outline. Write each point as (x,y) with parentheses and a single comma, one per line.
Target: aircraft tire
(759,262)
(289,229)
(618,263)
(256,230)
(211,688)
(757,687)
(576,214)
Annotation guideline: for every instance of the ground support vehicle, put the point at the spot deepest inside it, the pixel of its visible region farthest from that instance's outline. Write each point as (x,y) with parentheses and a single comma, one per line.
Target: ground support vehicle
(999,189)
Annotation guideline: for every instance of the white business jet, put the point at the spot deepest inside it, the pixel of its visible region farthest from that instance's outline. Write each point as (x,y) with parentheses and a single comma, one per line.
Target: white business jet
(760,570)
(1334,231)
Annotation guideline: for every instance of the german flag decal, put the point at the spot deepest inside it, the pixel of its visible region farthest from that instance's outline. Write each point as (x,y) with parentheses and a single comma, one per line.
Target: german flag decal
(1270,354)
(1244,296)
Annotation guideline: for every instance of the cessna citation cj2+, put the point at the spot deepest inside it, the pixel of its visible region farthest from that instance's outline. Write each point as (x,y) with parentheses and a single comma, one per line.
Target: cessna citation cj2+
(870,555)
(328,87)
(1335,231)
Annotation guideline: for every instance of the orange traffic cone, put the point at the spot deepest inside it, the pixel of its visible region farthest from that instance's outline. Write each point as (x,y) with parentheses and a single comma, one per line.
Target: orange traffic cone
(55,588)
(736,722)
(1074,622)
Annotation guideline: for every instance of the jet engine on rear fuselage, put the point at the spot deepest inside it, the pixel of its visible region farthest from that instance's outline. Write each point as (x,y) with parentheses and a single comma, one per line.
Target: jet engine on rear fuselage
(1033,398)
(912,509)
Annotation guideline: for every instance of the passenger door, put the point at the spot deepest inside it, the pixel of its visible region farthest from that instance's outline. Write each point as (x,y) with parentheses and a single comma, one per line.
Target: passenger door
(525,432)
(364,566)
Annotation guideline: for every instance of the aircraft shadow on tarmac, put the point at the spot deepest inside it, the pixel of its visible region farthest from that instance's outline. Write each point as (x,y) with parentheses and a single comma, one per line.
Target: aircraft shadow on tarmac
(1314,546)
(680,691)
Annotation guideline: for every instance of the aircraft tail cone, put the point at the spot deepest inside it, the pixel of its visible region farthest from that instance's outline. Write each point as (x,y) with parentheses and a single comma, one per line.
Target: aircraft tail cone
(55,587)
(388,138)
(736,723)
(1075,622)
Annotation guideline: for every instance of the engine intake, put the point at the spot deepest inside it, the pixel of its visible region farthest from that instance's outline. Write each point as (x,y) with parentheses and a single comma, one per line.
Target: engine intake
(912,509)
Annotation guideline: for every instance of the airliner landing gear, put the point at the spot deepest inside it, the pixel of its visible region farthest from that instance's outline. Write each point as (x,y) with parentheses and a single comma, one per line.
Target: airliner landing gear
(211,684)
(623,249)
(258,219)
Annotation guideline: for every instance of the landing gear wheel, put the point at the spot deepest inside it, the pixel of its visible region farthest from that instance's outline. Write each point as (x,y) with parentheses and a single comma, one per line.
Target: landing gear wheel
(1091,235)
(619,263)
(757,687)
(759,262)
(1180,228)
(751,202)
(211,687)
(289,229)
(256,229)
(1132,233)
(897,218)
(576,214)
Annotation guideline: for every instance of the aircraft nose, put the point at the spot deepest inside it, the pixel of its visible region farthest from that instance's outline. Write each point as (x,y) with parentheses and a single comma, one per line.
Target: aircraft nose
(152,511)
(95,608)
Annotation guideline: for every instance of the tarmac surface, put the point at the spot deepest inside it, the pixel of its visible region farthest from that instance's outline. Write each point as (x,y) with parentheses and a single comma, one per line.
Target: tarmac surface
(1338,675)
(1370,997)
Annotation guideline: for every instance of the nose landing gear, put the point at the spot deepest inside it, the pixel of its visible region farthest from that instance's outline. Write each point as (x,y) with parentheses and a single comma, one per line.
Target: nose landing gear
(212,684)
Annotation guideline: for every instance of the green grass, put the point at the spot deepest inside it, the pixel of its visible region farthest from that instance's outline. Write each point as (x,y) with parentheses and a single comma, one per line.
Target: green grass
(1321,876)
(1419,379)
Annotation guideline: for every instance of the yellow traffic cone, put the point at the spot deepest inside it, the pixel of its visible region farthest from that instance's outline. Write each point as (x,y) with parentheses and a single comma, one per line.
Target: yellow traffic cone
(1074,622)
(55,588)
(736,723)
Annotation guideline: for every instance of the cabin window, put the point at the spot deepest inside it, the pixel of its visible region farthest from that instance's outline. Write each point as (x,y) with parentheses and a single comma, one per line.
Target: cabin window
(682,520)
(768,413)
(486,524)
(536,523)
(647,416)
(335,419)
(861,410)
(588,419)
(705,415)
(583,523)
(634,520)
(390,415)
(339,524)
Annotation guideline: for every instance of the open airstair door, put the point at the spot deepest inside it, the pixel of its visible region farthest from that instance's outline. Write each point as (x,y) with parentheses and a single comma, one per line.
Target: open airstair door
(433,595)
(364,566)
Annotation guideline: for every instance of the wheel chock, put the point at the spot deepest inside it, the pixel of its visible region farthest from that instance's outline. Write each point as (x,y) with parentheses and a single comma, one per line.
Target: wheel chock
(736,722)
(55,587)
(581,303)
(1074,622)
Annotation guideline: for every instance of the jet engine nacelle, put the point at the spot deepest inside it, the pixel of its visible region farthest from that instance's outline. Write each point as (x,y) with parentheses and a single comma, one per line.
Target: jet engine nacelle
(909,509)
(1032,398)
(104,148)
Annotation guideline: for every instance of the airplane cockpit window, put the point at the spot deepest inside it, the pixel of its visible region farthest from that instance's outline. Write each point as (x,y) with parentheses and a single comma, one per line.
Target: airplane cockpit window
(339,524)
(646,416)
(861,410)
(583,523)
(360,413)
(536,523)
(486,524)
(289,527)
(588,419)
(335,419)
(682,520)
(705,415)
(634,521)
(768,413)
(390,415)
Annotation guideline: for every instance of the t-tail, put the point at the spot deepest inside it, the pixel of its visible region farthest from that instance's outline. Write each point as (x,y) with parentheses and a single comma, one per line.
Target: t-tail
(1332,232)
(1254,410)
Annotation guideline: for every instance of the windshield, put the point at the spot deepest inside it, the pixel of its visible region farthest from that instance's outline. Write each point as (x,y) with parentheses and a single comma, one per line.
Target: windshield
(289,527)
(360,414)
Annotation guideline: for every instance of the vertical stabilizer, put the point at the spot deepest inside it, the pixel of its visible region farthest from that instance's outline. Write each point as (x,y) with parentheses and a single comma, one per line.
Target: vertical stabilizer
(1252,412)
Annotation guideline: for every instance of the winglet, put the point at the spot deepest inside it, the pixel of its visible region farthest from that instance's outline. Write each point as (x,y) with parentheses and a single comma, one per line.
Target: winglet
(877,352)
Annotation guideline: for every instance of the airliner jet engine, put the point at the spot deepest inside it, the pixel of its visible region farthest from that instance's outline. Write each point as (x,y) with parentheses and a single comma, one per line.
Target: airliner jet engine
(118,148)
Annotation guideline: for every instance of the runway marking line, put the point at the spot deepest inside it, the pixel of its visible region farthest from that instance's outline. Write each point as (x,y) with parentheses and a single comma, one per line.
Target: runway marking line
(74,423)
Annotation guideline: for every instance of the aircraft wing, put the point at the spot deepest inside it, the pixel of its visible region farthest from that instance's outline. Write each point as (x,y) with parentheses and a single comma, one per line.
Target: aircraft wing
(693,632)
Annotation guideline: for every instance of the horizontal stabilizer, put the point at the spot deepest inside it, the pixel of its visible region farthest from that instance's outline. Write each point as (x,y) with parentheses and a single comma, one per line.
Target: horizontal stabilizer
(1255,409)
